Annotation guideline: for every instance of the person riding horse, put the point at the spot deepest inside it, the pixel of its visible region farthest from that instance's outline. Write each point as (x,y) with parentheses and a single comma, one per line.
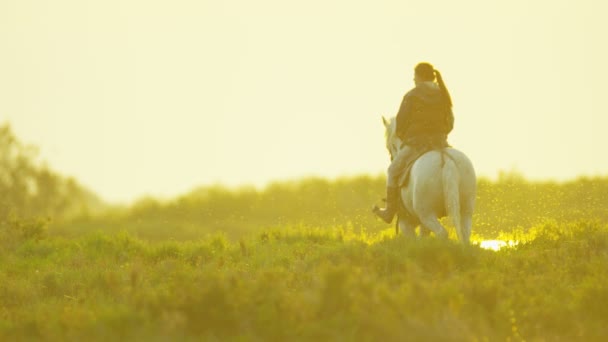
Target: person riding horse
(423,122)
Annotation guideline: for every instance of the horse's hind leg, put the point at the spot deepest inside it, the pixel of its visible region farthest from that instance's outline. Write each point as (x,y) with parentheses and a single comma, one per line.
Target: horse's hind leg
(431,222)
(466,218)
(466,222)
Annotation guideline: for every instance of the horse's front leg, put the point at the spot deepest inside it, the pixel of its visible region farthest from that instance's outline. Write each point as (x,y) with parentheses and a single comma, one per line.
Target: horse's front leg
(424,231)
(407,227)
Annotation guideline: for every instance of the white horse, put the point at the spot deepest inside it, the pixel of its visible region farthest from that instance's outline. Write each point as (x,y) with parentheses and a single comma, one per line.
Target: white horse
(441,183)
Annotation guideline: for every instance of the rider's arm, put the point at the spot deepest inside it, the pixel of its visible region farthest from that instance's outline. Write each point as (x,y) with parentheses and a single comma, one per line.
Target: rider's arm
(450,120)
(404,115)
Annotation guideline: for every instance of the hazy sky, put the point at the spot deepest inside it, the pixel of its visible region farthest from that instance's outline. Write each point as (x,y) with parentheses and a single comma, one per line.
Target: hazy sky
(136,97)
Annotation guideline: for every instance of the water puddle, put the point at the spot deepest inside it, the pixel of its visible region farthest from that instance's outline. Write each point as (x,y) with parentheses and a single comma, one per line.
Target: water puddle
(496,245)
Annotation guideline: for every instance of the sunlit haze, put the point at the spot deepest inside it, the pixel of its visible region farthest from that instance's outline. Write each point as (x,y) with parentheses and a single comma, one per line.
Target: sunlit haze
(138,97)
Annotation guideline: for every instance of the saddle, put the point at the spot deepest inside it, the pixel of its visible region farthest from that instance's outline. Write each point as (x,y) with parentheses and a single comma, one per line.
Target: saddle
(404,176)
(418,149)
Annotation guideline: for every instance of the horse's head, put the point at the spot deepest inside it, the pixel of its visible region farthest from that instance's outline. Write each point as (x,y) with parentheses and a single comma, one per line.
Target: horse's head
(393,142)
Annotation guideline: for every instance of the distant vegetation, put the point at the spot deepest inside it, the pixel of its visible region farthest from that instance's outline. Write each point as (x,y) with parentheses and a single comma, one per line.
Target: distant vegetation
(29,189)
(502,205)
(301,260)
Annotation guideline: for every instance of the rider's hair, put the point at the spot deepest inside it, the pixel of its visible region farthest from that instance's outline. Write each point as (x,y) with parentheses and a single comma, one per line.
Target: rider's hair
(443,88)
(426,72)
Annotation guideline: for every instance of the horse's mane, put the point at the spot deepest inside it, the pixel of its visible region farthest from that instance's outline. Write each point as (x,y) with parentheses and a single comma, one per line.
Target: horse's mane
(391,130)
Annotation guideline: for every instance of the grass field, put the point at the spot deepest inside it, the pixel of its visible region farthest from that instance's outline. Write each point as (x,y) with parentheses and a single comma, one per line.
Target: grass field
(165,271)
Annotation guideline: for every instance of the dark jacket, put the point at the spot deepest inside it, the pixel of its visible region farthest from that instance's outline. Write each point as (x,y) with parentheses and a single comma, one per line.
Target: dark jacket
(425,116)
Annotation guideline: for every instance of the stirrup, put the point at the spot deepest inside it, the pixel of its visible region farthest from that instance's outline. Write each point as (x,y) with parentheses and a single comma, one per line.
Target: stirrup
(384,214)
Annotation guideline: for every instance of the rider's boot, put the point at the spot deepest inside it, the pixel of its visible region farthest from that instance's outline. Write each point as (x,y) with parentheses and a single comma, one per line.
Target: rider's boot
(392,202)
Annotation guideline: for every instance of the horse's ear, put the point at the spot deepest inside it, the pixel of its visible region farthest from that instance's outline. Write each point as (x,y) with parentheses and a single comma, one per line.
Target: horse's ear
(384,121)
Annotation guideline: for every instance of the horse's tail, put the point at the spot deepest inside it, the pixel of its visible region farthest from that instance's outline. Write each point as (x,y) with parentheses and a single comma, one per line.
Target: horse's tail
(451,192)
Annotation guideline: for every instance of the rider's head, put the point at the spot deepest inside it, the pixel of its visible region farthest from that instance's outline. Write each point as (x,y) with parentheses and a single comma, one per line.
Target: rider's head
(424,72)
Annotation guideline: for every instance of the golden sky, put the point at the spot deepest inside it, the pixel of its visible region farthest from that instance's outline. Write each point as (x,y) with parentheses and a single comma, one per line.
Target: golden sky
(137,97)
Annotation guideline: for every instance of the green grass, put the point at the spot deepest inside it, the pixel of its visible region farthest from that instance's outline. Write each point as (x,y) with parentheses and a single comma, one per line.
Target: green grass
(305,284)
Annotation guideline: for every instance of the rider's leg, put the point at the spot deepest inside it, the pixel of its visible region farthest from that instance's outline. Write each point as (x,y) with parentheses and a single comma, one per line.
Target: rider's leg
(392,186)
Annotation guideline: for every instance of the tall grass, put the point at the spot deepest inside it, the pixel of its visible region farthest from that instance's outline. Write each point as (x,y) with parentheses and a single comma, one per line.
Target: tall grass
(326,283)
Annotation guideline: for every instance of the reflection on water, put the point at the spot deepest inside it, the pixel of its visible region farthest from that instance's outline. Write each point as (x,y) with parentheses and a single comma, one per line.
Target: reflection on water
(496,245)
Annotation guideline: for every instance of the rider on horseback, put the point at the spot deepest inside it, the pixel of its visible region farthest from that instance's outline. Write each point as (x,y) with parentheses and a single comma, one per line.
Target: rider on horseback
(424,120)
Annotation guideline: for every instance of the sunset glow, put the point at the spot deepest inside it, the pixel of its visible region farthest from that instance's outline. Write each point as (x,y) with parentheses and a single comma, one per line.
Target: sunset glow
(155,97)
